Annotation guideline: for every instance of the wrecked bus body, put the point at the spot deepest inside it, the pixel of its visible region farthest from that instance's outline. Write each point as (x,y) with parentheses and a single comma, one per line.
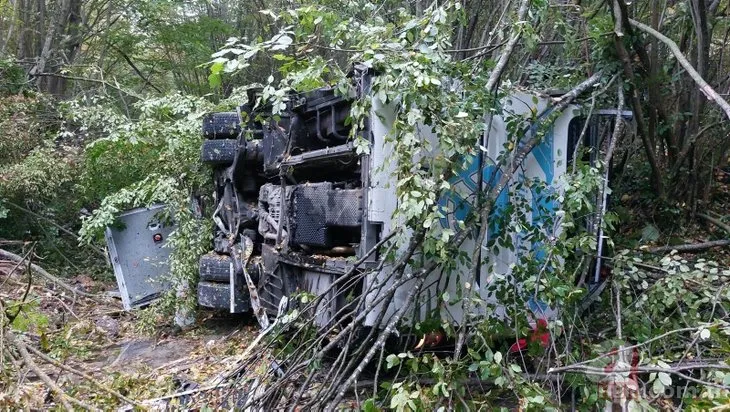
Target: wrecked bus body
(296,205)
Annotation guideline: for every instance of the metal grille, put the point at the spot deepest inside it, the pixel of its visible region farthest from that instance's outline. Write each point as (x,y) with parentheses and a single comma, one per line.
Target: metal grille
(274,201)
(317,208)
(346,207)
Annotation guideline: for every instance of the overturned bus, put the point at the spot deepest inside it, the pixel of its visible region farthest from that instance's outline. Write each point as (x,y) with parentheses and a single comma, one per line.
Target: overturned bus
(296,205)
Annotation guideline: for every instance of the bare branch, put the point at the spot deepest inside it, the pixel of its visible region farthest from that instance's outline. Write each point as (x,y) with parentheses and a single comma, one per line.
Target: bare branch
(63,397)
(86,79)
(590,370)
(706,89)
(496,73)
(15,258)
(89,378)
(690,247)
(716,222)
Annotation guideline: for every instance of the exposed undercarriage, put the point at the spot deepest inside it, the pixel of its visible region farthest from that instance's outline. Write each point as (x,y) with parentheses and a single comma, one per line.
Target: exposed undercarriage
(291,191)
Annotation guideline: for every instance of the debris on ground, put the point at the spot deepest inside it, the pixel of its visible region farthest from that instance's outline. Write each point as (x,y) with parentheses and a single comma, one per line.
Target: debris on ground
(74,350)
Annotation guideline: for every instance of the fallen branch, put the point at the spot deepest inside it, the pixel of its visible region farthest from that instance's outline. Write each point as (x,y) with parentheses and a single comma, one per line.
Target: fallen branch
(91,379)
(717,222)
(17,265)
(705,88)
(590,370)
(496,73)
(219,380)
(65,399)
(4,254)
(602,206)
(152,402)
(689,248)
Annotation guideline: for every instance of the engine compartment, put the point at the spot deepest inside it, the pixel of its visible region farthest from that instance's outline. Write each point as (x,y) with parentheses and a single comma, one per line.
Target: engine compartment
(293,186)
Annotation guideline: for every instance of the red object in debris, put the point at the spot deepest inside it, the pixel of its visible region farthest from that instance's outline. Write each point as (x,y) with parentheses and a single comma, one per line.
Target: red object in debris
(157,237)
(540,333)
(634,363)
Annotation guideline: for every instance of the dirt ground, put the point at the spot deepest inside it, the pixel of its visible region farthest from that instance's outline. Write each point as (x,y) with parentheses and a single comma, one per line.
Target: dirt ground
(94,336)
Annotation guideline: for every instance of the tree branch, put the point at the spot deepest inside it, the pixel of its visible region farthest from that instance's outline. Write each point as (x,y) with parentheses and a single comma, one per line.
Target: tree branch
(134,67)
(504,57)
(15,258)
(716,222)
(89,378)
(63,397)
(590,370)
(86,79)
(705,88)
(691,247)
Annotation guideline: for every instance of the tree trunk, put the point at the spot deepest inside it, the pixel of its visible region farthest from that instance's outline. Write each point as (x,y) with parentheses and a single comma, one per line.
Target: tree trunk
(628,70)
(24,34)
(60,15)
(40,25)
(69,46)
(12,18)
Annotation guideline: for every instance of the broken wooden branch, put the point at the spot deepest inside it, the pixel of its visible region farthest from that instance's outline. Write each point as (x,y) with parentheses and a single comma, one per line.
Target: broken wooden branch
(4,254)
(65,399)
(17,264)
(677,370)
(155,401)
(690,247)
(494,76)
(717,222)
(706,89)
(81,374)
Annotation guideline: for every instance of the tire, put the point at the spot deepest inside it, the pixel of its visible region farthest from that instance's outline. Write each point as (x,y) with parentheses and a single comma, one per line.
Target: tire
(217,296)
(223,125)
(219,152)
(215,268)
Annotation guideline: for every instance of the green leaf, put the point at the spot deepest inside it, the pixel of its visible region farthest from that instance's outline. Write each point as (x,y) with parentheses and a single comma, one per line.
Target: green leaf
(664,378)
(497,357)
(270,14)
(285,40)
(650,233)
(369,406)
(658,386)
(391,361)
(705,334)
(214,79)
